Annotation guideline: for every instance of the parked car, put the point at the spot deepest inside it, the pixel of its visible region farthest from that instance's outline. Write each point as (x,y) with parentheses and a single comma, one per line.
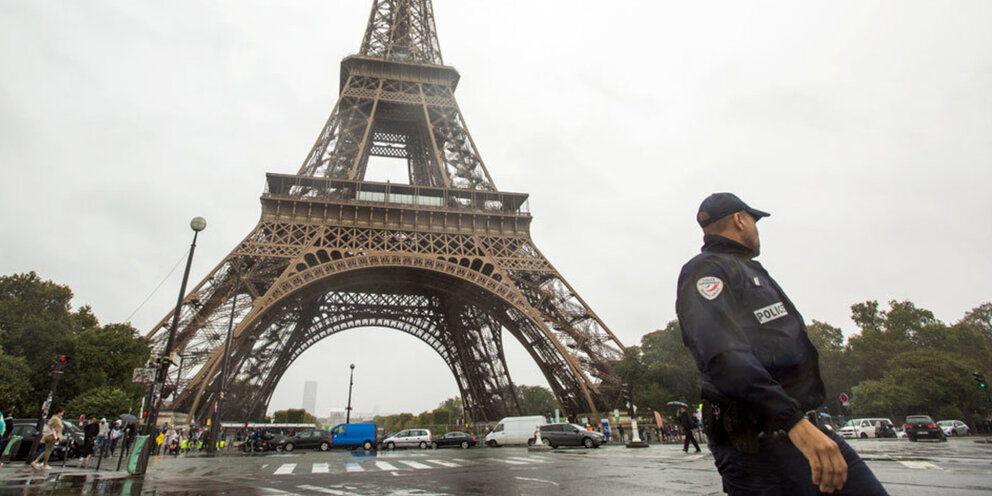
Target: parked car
(452,439)
(311,438)
(514,430)
(865,428)
(556,435)
(25,428)
(922,426)
(954,427)
(353,436)
(408,438)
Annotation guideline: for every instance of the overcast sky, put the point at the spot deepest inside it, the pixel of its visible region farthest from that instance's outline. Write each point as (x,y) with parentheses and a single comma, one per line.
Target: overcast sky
(865,128)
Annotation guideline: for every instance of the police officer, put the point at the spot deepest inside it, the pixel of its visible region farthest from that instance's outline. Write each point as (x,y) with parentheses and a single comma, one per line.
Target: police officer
(760,373)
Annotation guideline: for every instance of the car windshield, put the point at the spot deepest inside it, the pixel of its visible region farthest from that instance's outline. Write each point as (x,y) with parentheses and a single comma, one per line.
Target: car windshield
(946,423)
(577,426)
(916,419)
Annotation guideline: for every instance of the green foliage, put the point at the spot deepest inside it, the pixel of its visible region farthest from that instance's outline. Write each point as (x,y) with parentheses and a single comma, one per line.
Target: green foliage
(449,414)
(536,400)
(14,385)
(660,370)
(294,416)
(37,324)
(102,402)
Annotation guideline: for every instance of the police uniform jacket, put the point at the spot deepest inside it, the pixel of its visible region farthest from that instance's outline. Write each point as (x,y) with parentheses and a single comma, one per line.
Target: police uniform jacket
(748,339)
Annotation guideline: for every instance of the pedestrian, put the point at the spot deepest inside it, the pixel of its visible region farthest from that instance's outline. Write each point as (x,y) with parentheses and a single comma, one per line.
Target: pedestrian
(620,432)
(102,434)
(115,435)
(129,433)
(3,435)
(688,423)
(51,436)
(761,384)
(90,432)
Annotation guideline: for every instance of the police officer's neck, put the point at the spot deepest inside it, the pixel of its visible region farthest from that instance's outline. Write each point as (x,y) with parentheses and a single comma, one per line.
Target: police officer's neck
(727,242)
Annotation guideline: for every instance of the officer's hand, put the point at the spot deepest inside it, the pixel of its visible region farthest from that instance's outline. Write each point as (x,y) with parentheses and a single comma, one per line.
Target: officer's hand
(825,461)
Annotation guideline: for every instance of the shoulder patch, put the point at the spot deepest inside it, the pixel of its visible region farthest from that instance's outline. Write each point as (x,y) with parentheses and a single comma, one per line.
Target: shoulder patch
(710,287)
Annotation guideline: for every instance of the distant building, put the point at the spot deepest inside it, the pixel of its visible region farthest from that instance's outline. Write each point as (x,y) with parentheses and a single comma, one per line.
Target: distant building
(310,397)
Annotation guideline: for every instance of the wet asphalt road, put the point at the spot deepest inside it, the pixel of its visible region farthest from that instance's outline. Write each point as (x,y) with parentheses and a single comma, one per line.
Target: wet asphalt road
(959,467)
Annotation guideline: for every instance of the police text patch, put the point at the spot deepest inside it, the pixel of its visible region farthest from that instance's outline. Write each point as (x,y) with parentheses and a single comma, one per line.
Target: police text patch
(770,313)
(710,287)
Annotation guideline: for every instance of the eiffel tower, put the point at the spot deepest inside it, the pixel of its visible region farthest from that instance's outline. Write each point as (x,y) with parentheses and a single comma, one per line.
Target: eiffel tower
(447,258)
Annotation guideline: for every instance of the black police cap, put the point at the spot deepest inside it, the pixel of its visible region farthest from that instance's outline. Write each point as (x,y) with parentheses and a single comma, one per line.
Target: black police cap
(720,205)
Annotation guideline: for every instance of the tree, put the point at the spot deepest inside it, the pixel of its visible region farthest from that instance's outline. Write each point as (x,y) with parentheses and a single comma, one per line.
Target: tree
(660,370)
(102,402)
(293,416)
(15,388)
(536,400)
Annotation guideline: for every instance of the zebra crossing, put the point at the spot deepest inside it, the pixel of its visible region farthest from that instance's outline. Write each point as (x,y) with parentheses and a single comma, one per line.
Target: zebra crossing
(394,465)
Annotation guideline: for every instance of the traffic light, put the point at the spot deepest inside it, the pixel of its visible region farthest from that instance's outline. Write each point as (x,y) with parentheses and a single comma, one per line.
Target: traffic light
(62,359)
(980,379)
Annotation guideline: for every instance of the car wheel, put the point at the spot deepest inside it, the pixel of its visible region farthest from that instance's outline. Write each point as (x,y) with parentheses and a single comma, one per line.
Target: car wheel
(279,449)
(492,443)
(864,435)
(423,445)
(324,446)
(546,441)
(433,444)
(464,444)
(289,447)
(530,442)
(367,446)
(390,446)
(588,442)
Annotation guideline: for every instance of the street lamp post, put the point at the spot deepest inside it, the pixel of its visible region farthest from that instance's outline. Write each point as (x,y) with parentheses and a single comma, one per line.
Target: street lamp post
(351,382)
(197,224)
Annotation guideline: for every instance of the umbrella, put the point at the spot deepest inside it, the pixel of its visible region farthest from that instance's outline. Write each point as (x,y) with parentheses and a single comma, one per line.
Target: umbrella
(677,403)
(128,418)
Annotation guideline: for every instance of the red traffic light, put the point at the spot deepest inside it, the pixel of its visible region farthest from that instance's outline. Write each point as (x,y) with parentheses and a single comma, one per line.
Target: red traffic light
(62,359)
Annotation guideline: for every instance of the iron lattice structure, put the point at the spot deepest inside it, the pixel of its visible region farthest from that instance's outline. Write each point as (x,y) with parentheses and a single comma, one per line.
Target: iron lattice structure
(447,258)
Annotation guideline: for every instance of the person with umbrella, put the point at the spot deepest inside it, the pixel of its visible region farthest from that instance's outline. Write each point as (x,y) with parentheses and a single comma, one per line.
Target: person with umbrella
(688,422)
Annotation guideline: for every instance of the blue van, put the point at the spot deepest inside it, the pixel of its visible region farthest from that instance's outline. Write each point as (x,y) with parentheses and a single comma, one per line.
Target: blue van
(353,436)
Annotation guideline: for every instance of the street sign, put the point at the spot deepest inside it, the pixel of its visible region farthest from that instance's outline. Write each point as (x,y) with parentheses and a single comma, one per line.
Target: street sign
(142,374)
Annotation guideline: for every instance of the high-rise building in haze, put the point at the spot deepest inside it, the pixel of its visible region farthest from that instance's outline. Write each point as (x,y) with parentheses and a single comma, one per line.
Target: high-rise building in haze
(310,397)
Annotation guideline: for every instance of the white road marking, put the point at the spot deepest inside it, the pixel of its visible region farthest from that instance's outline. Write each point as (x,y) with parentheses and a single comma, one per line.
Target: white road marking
(920,465)
(275,491)
(511,462)
(385,465)
(353,467)
(285,468)
(263,466)
(537,480)
(526,459)
(444,463)
(321,468)
(695,457)
(416,465)
(323,490)
(460,460)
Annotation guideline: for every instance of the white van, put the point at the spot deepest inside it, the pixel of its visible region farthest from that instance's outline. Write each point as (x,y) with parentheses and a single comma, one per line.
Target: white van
(514,430)
(863,428)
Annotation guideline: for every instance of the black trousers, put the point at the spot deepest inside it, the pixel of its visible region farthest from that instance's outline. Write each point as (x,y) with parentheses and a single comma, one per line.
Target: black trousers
(689,437)
(780,469)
